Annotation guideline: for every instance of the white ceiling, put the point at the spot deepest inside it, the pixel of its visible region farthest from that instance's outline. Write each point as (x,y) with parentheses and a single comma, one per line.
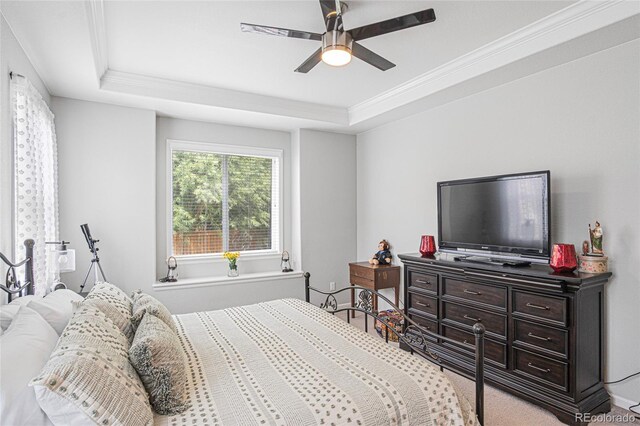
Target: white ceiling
(200,43)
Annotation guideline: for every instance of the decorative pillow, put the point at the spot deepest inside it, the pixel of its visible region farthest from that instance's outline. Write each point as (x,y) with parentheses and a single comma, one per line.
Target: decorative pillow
(56,307)
(158,357)
(7,314)
(143,303)
(26,347)
(115,304)
(90,370)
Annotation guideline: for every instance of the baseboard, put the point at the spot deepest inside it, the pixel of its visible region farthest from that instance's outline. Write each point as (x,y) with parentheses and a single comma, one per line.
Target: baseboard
(621,402)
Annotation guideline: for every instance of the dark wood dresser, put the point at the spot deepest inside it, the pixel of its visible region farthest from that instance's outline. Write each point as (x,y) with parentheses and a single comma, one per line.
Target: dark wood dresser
(544,330)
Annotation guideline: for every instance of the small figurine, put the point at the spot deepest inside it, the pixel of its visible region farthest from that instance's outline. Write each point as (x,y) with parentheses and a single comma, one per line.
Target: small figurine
(383,255)
(595,235)
(585,247)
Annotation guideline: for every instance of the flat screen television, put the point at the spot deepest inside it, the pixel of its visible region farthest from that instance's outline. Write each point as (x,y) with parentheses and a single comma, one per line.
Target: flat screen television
(506,218)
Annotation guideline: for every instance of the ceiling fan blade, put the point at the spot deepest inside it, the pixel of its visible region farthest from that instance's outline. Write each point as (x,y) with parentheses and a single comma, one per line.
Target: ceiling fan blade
(332,14)
(311,62)
(371,58)
(282,32)
(395,24)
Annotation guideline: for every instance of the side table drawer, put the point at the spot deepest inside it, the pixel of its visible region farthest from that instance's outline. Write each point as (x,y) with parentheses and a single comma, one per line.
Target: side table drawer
(361,272)
(362,282)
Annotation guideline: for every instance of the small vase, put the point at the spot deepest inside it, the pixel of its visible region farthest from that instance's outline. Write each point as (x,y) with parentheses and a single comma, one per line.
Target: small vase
(563,258)
(427,245)
(233,271)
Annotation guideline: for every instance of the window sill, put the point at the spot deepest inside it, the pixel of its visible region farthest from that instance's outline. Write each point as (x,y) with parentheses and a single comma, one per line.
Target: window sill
(216,281)
(217,258)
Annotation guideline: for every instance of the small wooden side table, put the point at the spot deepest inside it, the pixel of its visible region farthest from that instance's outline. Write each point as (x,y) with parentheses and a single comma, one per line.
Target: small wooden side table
(374,277)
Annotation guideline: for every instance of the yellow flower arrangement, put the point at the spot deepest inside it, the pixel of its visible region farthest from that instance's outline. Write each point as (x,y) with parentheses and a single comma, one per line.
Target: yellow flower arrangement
(232,257)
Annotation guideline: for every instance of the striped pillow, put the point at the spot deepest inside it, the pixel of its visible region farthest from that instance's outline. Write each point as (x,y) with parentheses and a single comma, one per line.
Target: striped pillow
(89,379)
(115,304)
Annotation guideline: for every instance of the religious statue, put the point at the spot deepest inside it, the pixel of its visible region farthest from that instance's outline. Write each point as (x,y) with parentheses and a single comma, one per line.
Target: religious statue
(595,235)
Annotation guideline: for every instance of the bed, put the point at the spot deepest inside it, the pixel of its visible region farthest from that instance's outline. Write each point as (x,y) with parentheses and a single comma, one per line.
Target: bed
(287,362)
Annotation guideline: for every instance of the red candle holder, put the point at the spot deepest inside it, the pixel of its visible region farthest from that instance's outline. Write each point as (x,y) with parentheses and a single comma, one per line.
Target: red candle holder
(563,258)
(427,245)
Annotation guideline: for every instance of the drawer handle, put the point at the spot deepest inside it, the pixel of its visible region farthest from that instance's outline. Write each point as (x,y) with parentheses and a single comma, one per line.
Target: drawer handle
(475,293)
(544,308)
(548,339)
(535,367)
(472,318)
(423,282)
(423,304)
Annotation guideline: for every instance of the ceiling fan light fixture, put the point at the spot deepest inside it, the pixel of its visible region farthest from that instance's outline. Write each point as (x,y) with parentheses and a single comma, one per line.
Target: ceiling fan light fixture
(336,56)
(336,48)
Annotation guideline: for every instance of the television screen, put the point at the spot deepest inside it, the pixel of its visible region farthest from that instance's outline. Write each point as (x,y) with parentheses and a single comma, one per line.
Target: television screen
(500,214)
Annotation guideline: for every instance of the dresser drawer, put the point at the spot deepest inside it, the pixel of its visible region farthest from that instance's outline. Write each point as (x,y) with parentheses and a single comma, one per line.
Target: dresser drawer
(494,352)
(362,272)
(545,370)
(423,281)
(540,306)
(425,323)
(493,323)
(424,304)
(541,337)
(475,292)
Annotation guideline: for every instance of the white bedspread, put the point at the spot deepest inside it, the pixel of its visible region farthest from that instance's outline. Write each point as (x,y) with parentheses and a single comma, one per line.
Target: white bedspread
(287,362)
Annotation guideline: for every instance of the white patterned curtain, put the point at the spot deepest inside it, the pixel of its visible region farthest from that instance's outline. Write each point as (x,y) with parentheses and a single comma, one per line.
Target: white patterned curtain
(36,177)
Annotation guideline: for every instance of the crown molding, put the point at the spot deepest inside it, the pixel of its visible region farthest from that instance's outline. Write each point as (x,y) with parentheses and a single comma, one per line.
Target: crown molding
(98,36)
(576,20)
(179,91)
(571,22)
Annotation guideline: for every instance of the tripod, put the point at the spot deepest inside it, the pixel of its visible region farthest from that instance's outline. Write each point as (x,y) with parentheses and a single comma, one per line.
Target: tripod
(95,261)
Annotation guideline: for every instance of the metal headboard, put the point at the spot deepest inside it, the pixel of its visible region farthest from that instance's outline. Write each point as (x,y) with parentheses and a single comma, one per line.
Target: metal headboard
(414,336)
(12,284)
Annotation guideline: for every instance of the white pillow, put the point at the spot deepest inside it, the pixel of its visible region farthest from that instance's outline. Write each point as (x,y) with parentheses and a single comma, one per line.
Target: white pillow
(7,313)
(26,347)
(24,299)
(56,308)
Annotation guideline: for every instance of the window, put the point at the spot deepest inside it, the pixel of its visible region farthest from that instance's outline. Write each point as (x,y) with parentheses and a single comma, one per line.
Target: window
(223,198)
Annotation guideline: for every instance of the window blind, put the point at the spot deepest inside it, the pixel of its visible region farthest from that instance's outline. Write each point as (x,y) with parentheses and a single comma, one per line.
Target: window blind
(224,202)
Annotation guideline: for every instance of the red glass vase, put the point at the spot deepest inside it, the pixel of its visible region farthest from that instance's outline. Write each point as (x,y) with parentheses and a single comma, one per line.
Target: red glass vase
(563,258)
(427,245)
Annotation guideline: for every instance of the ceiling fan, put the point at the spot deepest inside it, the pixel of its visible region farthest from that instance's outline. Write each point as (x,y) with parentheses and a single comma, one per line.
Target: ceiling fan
(338,44)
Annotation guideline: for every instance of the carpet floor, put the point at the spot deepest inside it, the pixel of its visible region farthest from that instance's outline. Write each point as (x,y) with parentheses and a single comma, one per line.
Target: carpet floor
(501,408)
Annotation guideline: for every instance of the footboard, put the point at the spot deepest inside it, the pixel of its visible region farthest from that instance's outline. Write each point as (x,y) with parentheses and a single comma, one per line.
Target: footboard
(412,335)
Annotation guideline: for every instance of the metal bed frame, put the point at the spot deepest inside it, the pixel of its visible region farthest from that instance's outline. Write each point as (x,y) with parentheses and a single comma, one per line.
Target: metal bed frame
(412,335)
(12,284)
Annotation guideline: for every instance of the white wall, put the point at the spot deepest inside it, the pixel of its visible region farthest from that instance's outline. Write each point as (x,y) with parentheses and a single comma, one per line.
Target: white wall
(106,172)
(580,120)
(195,131)
(12,58)
(327,206)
